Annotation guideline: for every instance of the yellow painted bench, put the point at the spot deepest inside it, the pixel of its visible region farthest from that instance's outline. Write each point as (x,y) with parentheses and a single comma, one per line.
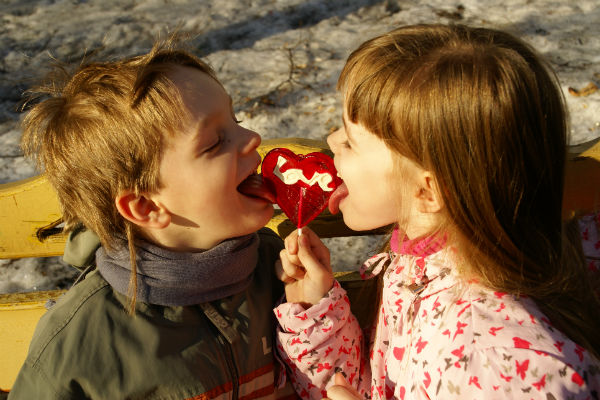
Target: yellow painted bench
(30,214)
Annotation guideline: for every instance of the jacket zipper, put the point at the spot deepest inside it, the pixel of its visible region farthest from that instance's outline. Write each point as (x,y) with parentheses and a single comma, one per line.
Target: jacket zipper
(229,357)
(228,336)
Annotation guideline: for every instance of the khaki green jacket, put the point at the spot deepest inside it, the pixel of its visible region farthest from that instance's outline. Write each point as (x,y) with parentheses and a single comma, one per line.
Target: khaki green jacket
(88,347)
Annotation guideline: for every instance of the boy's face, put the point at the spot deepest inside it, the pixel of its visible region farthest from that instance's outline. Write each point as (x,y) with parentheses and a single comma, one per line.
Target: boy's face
(202,167)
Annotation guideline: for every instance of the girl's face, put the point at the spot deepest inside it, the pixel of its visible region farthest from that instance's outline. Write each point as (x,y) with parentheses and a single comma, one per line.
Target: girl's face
(366,198)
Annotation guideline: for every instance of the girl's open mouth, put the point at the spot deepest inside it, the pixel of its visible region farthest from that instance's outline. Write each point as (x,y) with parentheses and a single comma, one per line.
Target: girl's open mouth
(336,197)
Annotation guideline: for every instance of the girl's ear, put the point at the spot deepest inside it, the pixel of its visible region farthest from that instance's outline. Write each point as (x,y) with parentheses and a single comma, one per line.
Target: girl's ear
(428,195)
(142,211)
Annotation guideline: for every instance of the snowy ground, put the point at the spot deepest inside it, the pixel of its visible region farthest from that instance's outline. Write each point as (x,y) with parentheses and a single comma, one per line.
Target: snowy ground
(278,59)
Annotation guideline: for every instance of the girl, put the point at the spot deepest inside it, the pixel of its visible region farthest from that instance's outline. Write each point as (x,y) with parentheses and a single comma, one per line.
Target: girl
(457,136)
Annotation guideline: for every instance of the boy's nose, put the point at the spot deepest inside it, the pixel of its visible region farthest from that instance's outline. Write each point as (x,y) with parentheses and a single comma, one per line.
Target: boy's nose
(250,142)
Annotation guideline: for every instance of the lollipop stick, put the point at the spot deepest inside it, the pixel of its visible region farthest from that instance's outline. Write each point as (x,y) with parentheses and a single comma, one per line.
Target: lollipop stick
(302,193)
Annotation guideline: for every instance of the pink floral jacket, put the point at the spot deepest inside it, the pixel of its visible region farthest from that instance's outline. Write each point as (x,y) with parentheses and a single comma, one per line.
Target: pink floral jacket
(436,337)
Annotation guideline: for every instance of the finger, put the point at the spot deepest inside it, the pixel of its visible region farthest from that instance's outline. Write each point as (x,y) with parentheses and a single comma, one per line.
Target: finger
(340,380)
(292,258)
(338,392)
(280,273)
(289,268)
(309,260)
(318,248)
(291,243)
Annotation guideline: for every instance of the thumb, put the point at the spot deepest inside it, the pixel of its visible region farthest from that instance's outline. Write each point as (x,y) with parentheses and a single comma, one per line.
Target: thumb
(341,380)
(342,389)
(307,256)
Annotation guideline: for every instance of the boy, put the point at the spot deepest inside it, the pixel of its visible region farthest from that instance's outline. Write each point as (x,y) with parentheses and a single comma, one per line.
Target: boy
(146,153)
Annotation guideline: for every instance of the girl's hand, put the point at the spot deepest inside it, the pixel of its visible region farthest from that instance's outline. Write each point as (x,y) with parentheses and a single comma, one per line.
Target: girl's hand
(305,268)
(342,390)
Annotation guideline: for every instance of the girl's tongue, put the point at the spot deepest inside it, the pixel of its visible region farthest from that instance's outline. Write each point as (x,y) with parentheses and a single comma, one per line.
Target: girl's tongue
(336,197)
(254,186)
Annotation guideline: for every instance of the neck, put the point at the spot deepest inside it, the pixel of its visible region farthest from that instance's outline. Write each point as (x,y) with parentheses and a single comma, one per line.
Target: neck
(183,240)
(421,225)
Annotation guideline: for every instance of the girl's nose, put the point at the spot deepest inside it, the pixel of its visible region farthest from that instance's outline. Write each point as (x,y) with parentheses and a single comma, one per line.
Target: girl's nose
(250,142)
(333,141)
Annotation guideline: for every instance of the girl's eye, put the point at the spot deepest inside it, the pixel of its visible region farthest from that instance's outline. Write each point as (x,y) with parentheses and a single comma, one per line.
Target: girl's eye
(346,144)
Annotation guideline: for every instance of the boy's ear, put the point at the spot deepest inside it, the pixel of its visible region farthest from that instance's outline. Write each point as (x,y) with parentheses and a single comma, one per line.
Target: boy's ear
(142,211)
(429,199)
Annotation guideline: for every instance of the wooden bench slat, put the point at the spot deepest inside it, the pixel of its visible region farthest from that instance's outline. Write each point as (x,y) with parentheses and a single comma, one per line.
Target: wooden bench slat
(25,207)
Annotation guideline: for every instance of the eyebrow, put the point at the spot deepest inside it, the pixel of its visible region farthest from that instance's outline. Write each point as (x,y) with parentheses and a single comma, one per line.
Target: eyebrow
(205,121)
(208,119)
(352,142)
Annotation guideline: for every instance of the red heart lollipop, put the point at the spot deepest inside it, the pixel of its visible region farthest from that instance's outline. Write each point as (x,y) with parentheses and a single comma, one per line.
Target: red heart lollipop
(302,183)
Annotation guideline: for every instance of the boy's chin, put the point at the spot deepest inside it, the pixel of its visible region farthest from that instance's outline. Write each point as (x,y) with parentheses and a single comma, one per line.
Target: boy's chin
(269,211)
(254,224)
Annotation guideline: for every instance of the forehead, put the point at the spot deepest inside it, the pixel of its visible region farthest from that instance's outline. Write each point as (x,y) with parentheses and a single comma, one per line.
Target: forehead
(199,91)
(355,131)
(347,124)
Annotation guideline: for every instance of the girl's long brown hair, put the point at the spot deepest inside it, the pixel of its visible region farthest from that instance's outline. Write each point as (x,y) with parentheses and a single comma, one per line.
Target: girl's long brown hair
(481,110)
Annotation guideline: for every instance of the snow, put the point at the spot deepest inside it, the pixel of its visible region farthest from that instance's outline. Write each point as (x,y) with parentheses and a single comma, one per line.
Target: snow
(279,60)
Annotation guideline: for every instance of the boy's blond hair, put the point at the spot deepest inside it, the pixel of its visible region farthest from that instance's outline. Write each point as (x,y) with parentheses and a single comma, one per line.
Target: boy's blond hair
(101,131)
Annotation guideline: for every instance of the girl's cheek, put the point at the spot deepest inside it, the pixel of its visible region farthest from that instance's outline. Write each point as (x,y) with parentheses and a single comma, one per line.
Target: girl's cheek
(339,166)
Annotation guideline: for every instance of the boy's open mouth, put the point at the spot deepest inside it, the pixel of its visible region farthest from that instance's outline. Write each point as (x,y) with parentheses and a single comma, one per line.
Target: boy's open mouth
(254,186)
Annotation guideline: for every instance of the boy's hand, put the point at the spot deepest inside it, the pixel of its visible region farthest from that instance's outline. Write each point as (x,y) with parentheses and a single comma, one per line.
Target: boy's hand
(305,268)
(342,390)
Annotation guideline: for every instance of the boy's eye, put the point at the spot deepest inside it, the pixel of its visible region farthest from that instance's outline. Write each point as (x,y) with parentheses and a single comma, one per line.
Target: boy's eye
(215,145)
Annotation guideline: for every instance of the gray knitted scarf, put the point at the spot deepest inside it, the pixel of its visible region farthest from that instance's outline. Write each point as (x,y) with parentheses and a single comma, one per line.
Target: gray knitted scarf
(171,278)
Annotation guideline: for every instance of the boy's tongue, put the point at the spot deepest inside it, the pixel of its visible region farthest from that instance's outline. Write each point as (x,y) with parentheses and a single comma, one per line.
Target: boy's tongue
(336,197)
(254,186)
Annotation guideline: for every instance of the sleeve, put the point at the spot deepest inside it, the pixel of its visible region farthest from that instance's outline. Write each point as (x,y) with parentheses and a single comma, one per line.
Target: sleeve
(34,384)
(500,373)
(318,342)
(590,240)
